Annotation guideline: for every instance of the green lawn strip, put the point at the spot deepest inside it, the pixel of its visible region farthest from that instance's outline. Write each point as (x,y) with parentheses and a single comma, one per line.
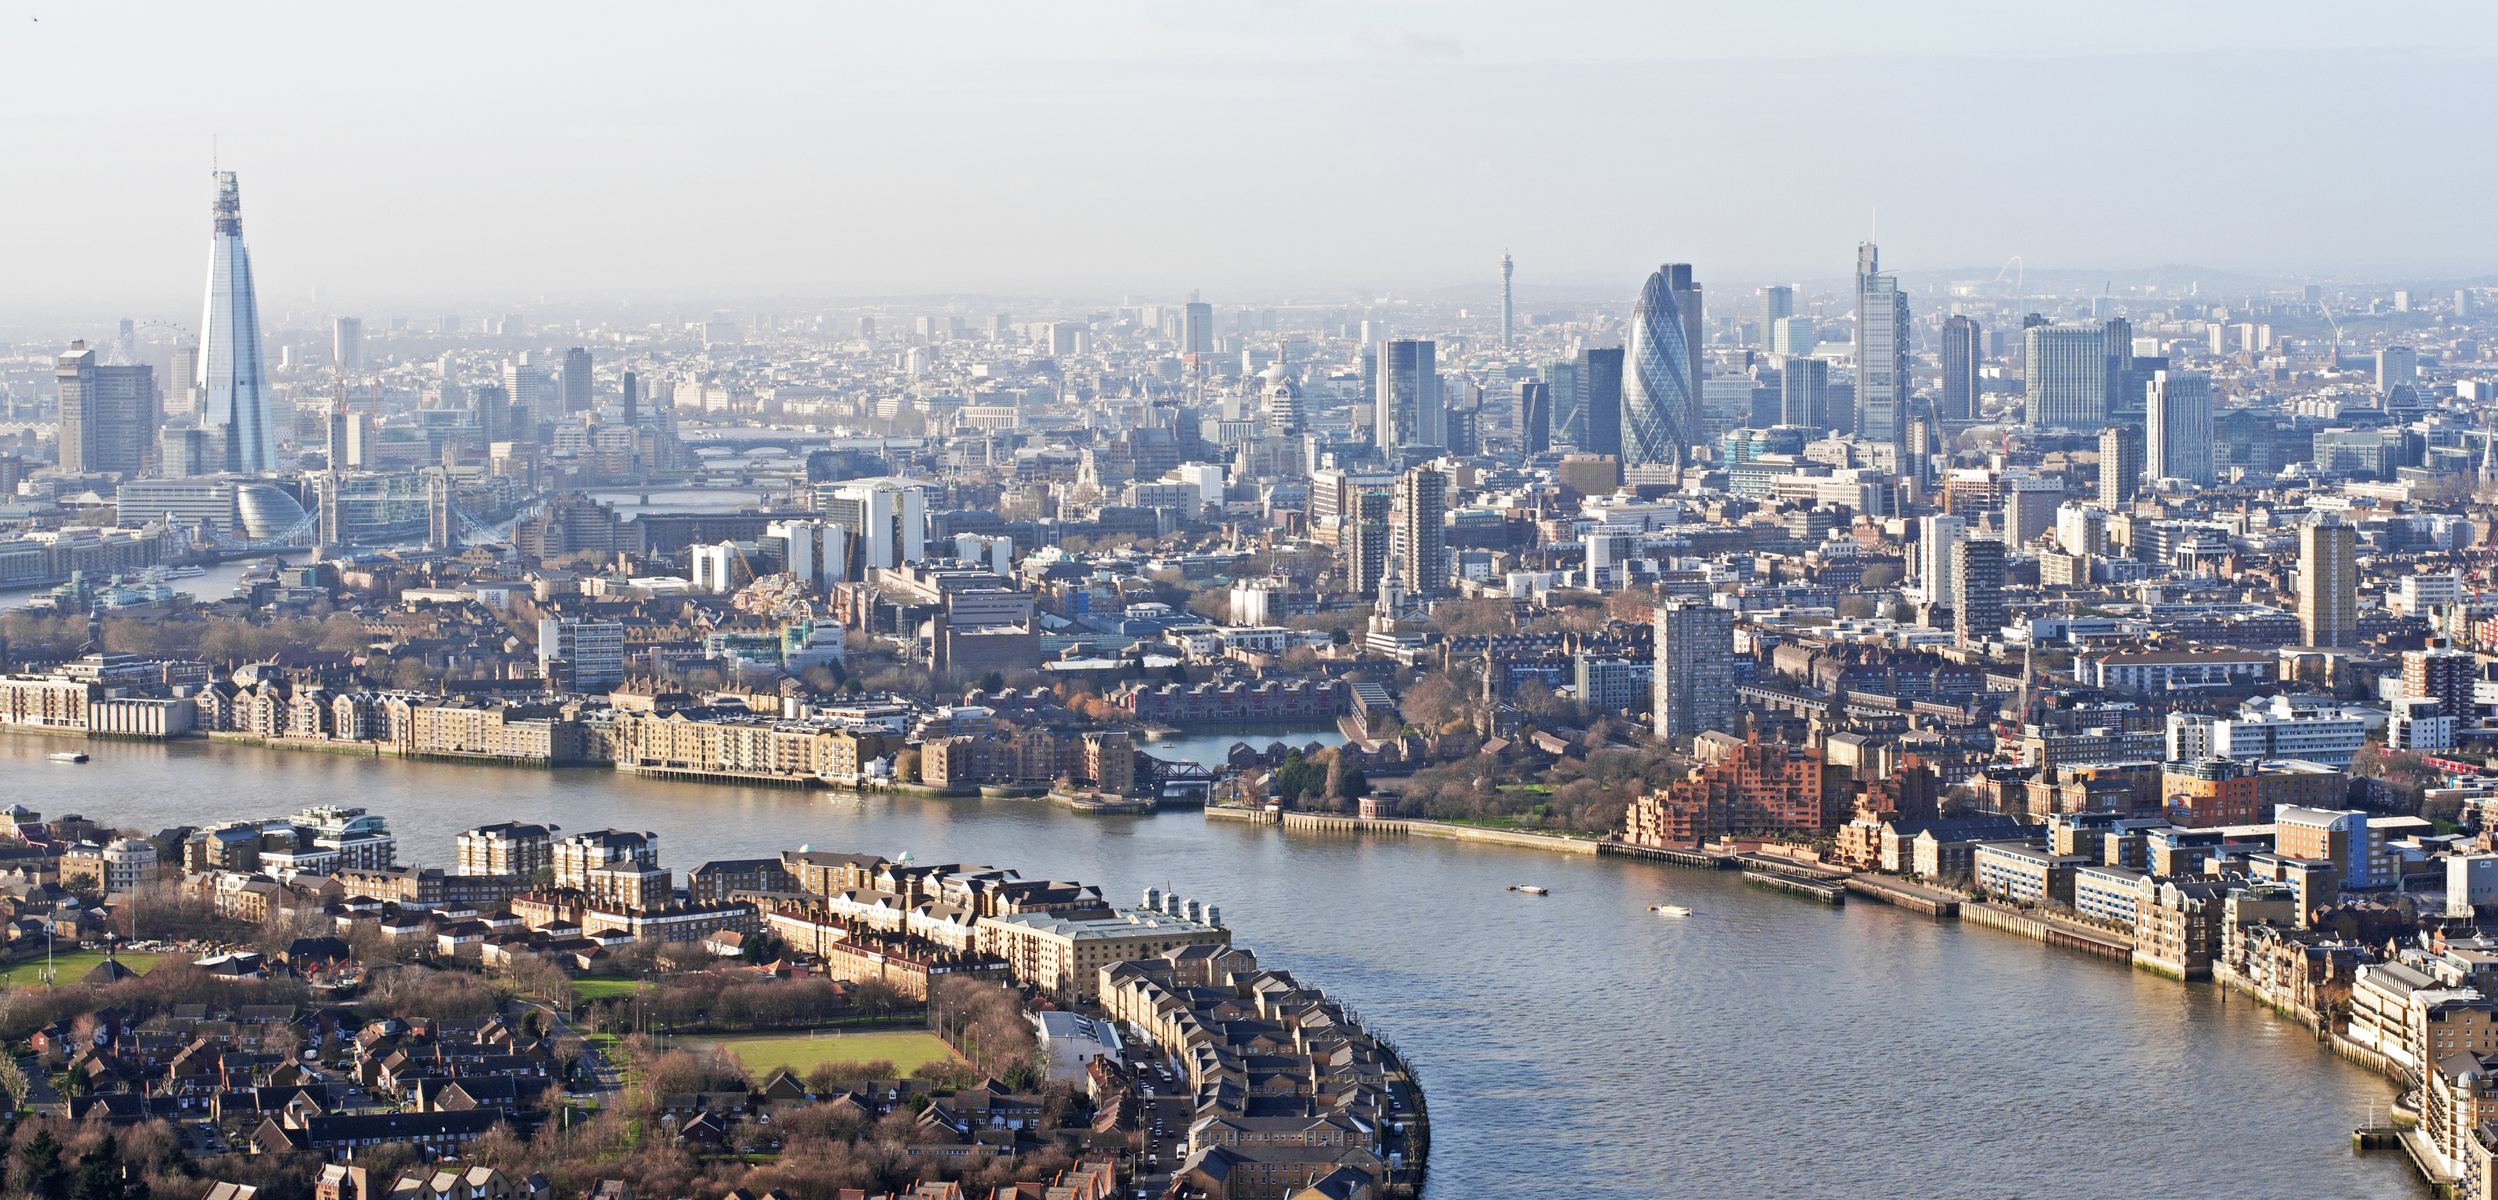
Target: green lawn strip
(68,968)
(766,1053)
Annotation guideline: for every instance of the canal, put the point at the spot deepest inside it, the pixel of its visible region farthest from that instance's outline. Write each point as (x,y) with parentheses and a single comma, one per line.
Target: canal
(1765,1046)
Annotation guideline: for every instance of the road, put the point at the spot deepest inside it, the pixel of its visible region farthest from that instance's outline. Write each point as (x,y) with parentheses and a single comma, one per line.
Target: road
(610,1086)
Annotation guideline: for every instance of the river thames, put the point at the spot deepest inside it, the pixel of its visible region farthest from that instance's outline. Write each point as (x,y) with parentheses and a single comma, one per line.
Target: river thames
(1765,1046)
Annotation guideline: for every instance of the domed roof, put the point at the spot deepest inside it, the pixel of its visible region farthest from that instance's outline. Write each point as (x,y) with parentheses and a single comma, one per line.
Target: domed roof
(267,511)
(1279,381)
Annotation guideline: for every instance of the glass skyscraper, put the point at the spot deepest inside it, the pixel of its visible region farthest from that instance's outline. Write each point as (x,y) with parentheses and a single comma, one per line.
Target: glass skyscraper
(1882,377)
(1660,392)
(234,378)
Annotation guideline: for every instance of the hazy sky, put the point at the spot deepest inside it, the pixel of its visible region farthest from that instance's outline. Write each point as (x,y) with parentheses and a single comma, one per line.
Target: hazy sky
(470,156)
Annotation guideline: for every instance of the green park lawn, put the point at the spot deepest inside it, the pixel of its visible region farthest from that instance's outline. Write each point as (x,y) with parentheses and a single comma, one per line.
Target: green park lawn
(68,967)
(766,1053)
(602,989)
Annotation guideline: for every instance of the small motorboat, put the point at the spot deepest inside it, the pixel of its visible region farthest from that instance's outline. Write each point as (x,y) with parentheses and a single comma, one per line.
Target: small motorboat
(1669,910)
(1530,889)
(72,756)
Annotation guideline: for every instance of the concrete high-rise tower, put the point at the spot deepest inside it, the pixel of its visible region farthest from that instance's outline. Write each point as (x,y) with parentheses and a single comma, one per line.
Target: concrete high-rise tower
(2328,589)
(1962,354)
(1421,538)
(234,379)
(2177,427)
(109,414)
(2120,466)
(1695,648)
(1882,332)
(347,343)
(1660,372)
(1509,312)
(2067,375)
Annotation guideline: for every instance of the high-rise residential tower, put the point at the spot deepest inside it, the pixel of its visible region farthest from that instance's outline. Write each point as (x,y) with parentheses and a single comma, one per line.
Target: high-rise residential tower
(2120,466)
(1962,352)
(1422,536)
(109,414)
(1408,405)
(1691,689)
(2328,591)
(1777,304)
(2066,369)
(1660,377)
(1977,590)
(2177,431)
(234,387)
(1882,335)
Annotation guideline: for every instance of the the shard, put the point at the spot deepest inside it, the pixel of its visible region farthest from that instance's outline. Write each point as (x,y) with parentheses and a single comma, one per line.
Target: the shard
(233,377)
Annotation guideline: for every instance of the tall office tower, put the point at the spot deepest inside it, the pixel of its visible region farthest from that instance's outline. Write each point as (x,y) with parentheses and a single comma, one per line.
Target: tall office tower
(1422,536)
(632,399)
(2177,429)
(576,381)
(2067,375)
(2124,392)
(1695,648)
(181,391)
(1793,335)
(109,418)
(1882,335)
(1600,393)
(1660,384)
(1408,407)
(347,343)
(1804,393)
(1977,590)
(1962,352)
(2120,466)
(1777,304)
(234,380)
(1936,536)
(1197,329)
(1362,539)
(1535,416)
(2463,302)
(490,406)
(1509,311)
(1567,383)
(2328,582)
(523,378)
(2397,365)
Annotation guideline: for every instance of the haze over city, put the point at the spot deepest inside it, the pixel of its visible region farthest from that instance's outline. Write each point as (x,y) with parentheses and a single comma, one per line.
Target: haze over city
(1247,601)
(606,153)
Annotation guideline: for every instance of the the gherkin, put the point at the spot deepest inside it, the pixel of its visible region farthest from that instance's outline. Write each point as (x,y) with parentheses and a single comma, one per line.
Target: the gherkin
(1660,395)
